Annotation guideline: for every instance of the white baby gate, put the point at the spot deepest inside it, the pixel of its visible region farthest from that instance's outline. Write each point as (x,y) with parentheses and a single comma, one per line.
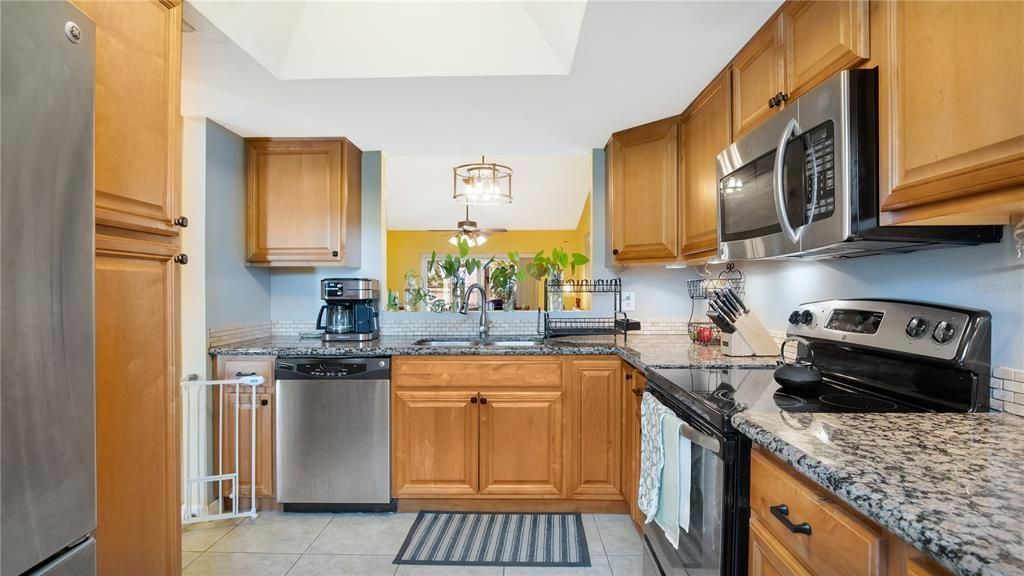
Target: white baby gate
(198,397)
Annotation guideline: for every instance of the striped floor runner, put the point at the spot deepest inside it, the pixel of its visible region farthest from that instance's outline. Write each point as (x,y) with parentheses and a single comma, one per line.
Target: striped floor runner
(496,539)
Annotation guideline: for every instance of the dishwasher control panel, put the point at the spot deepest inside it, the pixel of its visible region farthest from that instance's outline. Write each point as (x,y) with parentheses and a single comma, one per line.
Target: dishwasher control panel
(333,368)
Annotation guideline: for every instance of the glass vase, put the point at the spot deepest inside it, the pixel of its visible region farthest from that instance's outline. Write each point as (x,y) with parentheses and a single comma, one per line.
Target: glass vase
(456,291)
(556,297)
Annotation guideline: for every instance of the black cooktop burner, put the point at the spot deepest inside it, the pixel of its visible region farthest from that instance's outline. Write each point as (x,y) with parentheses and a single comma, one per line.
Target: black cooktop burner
(788,401)
(858,402)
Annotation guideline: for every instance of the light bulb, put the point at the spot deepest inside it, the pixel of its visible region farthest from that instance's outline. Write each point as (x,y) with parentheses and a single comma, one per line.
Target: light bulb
(480,239)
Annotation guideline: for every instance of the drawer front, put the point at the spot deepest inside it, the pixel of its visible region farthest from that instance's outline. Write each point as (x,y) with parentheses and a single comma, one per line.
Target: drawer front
(477,372)
(839,542)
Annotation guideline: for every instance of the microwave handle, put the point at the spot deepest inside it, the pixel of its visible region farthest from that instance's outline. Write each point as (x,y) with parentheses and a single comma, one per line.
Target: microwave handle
(791,130)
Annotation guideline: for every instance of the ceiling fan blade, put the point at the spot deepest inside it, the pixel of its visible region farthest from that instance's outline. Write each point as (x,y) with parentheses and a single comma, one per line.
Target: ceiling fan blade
(492,230)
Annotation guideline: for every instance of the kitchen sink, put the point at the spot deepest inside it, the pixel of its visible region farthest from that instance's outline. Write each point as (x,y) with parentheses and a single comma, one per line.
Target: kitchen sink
(510,343)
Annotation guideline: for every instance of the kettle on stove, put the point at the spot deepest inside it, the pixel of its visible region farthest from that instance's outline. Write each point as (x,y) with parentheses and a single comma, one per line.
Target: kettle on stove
(801,375)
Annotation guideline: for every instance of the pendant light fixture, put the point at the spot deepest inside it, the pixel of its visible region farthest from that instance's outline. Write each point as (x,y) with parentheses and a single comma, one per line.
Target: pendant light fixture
(482,184)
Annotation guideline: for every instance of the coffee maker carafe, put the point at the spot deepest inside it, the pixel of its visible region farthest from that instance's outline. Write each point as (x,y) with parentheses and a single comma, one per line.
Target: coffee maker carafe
(350,312)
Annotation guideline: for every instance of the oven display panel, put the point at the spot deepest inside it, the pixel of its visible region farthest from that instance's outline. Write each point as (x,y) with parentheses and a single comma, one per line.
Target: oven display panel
(855,321)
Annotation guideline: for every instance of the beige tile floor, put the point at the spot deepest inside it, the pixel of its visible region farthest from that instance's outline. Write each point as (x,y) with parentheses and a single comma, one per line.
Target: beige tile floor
(279,544)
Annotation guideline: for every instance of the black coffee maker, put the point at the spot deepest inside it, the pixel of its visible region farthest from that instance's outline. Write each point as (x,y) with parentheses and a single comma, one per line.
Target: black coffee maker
(350,312)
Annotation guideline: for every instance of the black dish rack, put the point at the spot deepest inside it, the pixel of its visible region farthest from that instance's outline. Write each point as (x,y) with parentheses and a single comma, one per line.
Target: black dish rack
(554,326)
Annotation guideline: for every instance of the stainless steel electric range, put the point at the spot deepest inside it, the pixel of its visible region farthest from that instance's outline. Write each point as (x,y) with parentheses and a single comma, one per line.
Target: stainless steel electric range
(874,356)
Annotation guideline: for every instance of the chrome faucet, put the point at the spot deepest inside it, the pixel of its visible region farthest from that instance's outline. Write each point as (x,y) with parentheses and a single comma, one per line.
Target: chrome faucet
(485,324)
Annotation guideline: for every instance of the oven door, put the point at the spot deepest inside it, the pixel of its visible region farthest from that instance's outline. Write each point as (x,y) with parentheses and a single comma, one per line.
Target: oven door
(703,546)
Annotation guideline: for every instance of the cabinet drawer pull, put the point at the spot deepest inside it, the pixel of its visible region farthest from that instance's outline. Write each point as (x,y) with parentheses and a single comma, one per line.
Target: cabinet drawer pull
(244,374)
(781,513)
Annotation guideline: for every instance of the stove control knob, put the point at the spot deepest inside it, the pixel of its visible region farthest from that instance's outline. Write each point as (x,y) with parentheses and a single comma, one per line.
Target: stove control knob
(794,318)
(806,317)
(917,327)
(944,332)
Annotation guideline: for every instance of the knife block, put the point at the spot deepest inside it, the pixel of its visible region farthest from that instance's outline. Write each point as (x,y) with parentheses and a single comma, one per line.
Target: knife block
(750,339)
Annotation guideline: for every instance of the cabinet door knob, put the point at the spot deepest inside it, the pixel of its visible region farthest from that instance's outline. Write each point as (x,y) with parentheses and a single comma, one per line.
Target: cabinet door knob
(771,102)
(638,391)
(629,376)
(483,400)
(181,221)
(264,402)
(781,97)
(181,259)
(334,253)
(615,251)
(472,400)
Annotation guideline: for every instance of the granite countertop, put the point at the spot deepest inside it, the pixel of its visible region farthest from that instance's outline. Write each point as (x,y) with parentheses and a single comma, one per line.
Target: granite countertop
(644,352)
(952,485)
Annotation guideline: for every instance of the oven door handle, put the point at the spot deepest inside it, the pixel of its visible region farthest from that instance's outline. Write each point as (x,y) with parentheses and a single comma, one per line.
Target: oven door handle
(699,438)
(791,130)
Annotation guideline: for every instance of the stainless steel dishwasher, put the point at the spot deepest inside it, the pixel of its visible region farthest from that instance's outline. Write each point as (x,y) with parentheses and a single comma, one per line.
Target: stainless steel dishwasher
(333,434)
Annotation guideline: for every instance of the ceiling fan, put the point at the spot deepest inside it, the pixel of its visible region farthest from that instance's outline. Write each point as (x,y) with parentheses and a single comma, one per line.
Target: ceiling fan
(469,230)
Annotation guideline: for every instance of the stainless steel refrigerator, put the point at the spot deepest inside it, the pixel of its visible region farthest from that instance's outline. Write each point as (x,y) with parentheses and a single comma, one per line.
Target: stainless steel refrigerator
(47,365)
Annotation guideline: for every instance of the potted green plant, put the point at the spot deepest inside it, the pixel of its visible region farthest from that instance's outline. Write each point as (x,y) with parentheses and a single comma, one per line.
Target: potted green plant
(416,296)
(554,267)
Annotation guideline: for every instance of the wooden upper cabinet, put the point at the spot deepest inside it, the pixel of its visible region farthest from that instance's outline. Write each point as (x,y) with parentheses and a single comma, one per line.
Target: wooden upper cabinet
(521,443)
(434,443)
(758,74)
(138,118)
(595,425)
(643,192)
(803,44)
(950,104)
(822,38)
(706,131)
(302,202)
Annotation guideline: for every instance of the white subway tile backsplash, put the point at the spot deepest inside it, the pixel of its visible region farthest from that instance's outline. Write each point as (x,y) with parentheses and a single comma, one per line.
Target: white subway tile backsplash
(1013,386)
(1002,373)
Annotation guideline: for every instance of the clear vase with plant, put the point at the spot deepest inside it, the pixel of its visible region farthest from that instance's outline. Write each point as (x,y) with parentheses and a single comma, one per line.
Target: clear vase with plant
(505,277)
(416,296)
(553,267)
(452,267)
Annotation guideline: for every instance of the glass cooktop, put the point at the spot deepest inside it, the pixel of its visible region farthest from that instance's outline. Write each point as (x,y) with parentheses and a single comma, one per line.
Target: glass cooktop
(717,394)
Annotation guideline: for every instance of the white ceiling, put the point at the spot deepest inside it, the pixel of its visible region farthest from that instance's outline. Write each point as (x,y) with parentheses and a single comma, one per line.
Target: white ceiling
(301,39)
(548,192)
(634,62)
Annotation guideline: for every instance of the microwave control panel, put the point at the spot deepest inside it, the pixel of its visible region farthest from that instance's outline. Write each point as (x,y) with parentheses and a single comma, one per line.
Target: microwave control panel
(820,170)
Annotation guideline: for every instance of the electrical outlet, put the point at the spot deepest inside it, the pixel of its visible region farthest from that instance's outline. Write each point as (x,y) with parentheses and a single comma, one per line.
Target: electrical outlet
(628,301)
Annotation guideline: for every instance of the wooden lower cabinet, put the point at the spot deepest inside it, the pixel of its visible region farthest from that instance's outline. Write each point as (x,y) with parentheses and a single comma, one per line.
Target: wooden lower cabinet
(434,443)
(541,428)
(632,394)
(521,443)
(138,490)
(595,423)
(243,405)
(842,541)
(768,557)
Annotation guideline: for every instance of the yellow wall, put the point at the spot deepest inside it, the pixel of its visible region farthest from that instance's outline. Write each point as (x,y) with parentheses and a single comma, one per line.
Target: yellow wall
(406,247)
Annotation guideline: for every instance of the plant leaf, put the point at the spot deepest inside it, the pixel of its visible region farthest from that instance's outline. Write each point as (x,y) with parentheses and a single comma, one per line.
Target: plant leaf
(463,247)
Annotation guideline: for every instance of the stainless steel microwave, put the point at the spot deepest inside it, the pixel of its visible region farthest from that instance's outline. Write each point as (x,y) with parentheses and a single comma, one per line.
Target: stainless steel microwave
(804,184)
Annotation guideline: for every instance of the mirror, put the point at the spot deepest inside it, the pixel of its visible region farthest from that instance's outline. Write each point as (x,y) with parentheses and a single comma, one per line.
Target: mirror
(550,209)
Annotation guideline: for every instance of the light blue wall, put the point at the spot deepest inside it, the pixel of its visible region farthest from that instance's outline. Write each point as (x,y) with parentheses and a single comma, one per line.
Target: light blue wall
(235,293)
(296,291)
(990,277)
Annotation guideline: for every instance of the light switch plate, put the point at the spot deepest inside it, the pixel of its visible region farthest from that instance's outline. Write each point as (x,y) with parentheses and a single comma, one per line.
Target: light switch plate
(628,301)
